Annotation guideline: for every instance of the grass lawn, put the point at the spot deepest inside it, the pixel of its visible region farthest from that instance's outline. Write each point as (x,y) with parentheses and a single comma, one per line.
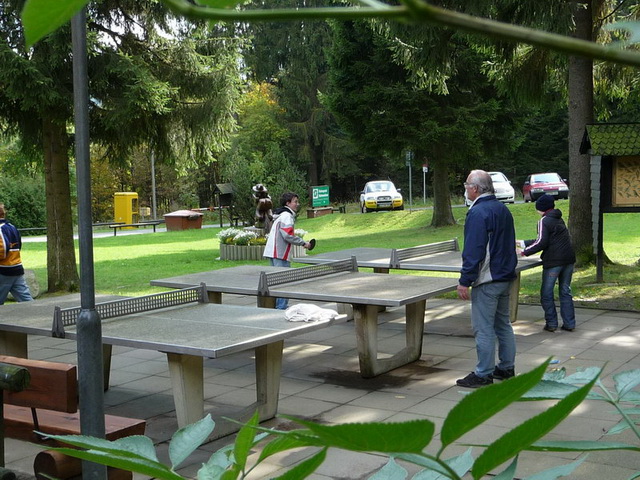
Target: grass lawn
(124,265)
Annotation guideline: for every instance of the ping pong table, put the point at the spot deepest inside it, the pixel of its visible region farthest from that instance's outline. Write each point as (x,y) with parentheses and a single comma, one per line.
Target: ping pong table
(187,328)
(433,257)
(338,282)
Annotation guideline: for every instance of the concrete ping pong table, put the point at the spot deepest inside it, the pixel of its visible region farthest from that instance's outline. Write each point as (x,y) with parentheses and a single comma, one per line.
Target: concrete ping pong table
(338,282)
(433,257)
(185,327)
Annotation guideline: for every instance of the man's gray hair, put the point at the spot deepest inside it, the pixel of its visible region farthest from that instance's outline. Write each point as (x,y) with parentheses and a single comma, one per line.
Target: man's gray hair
(482,180)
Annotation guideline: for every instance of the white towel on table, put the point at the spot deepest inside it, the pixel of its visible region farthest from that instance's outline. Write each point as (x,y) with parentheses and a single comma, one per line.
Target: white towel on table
(308,312)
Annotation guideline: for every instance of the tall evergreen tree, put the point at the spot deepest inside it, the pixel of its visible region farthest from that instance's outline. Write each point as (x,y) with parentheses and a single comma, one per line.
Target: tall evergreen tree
(290,55)
(153,81)
(378,103)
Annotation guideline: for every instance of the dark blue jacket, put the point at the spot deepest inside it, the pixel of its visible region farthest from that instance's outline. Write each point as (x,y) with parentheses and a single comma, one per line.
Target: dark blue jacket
(553,241)
(489,253)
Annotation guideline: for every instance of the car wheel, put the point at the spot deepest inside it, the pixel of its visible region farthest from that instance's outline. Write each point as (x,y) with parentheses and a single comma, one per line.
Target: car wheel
(362,209)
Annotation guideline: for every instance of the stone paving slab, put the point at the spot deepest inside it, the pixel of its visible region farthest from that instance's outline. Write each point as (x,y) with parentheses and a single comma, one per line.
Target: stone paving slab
(321,381)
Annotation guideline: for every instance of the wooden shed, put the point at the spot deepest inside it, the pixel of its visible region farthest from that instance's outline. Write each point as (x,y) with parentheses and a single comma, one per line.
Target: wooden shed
(615,175)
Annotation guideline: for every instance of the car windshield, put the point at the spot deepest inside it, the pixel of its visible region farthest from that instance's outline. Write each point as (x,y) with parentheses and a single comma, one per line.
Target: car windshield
(546,178)
(379,187)
(498,177)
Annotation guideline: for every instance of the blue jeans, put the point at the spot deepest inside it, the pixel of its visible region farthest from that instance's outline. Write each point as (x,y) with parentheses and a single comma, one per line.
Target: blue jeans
(562,275)
(281,303)
(490,321)
(17,286)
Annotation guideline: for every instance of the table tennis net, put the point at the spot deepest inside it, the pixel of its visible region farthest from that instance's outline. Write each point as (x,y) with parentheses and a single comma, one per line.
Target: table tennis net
(65,317)
(298,274)
(400,254)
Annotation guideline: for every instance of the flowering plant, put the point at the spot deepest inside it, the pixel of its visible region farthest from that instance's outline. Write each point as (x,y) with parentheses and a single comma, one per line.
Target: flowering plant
(227,235)
(236,236)
(300,232)
(244,238)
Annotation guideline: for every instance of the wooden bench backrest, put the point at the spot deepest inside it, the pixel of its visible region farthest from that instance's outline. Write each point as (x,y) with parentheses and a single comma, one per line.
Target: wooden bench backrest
(53,385)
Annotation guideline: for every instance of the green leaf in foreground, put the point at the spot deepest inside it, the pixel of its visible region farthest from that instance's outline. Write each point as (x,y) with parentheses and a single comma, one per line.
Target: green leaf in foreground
(580,446)
(522,436)
(187,439)
(244,441)
(306,468)
(130,462)
(626,381)
(485,402)
(556,472)
(41,17)
(412,436)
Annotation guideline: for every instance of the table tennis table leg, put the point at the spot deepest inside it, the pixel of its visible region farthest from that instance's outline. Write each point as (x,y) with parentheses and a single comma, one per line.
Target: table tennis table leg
(268,365)
(266,302)
(106,364)
(268,368)
(188,387)
(215,297)
(514,294)
(14,344)
(366,320)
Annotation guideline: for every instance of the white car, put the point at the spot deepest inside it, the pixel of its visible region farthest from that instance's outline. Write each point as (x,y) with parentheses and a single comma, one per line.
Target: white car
(501,184)
(380,195)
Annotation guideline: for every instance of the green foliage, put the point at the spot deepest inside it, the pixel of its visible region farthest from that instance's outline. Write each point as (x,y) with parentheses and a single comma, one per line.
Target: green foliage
(402,441)
(257,154)
(24,200)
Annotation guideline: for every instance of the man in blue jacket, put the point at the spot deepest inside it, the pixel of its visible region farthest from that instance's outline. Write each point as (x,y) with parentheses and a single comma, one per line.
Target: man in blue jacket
(11,269)
(488,268)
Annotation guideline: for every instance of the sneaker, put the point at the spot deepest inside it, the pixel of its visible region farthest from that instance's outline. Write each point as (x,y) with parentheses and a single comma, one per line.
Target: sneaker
(500,374)
(567,329)
(549,329)
(474,381)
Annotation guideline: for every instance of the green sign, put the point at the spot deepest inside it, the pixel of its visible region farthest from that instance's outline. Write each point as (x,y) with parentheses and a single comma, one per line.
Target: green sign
(320,196)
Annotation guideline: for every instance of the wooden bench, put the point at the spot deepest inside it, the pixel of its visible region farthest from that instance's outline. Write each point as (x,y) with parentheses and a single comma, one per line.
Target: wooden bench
(49,405)
(153,223)
(339,208)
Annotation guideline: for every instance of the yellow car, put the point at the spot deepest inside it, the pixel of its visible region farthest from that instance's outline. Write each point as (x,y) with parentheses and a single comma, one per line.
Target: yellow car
(380,195)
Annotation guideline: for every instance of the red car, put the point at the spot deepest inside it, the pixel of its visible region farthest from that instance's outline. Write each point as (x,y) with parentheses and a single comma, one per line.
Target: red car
(538,184)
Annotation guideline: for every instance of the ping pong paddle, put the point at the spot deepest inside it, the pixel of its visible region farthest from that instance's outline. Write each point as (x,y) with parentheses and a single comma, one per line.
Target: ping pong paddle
(312,244)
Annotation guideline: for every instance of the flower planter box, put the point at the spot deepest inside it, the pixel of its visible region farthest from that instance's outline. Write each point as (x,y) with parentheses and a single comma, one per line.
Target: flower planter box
(252,252)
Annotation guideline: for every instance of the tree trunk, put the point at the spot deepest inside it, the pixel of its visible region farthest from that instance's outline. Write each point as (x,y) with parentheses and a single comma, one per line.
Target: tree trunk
(62,274)
(580,114)
(442,214)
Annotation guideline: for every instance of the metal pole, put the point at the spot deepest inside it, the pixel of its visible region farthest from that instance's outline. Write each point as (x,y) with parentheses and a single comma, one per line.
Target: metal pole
(90,375)
(410,194)
(424,187)
(153,184)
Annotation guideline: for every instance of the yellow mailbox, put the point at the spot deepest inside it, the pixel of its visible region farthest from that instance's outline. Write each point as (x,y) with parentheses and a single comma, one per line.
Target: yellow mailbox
(125,207)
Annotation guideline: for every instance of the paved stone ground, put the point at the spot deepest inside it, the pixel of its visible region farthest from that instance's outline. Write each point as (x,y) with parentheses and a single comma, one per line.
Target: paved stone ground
(320,381)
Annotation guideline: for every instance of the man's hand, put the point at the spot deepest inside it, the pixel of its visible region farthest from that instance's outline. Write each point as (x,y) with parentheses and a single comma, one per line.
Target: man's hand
(463,292)
(307,245)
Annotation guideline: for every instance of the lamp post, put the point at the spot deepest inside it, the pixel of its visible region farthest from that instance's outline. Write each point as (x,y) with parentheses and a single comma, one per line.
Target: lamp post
(90,374)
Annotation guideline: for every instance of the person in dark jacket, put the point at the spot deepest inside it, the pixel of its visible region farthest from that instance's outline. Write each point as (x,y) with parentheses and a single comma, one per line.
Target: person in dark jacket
(558,259)
(488,269)
(11,269)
